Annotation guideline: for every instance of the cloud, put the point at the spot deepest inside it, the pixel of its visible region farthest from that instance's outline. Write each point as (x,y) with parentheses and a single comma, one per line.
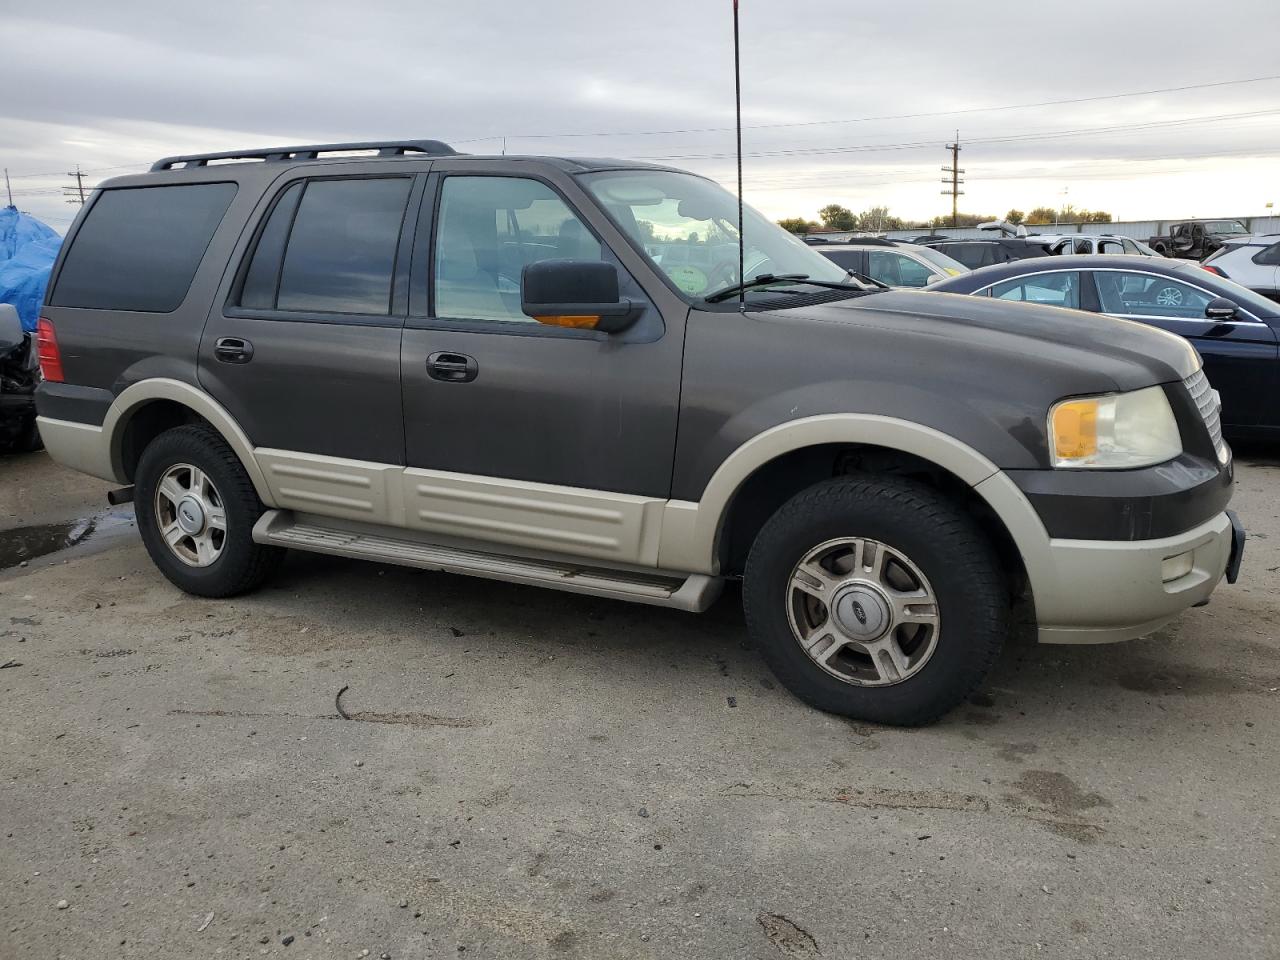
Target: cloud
(113,85)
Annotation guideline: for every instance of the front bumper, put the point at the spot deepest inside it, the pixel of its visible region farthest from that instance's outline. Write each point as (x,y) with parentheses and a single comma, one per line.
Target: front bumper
(1101,591)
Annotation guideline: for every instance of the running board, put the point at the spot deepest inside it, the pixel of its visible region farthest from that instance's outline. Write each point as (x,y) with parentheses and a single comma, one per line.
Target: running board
(695,593)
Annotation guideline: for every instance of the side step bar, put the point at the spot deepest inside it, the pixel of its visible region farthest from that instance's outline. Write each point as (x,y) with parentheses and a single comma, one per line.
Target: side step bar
(694,592)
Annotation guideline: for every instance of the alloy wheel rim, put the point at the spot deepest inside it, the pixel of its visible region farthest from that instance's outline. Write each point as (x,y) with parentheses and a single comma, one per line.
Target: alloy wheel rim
(863,611)
(190,515)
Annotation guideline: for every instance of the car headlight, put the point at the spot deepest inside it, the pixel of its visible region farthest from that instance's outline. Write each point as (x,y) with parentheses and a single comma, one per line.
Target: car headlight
(1115,431)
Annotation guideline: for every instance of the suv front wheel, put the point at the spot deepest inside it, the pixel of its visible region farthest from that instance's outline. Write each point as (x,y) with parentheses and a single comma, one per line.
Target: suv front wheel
(196,508)
(877,598)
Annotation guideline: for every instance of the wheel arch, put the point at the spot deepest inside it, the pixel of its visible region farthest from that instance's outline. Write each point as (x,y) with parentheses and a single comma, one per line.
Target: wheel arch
(710,536)
(147,408)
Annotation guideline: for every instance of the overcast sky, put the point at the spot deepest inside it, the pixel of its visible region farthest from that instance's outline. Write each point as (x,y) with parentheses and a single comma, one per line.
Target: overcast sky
(113,86)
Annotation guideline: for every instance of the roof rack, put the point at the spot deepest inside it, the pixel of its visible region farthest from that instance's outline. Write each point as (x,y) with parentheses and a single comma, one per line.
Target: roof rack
(385,148)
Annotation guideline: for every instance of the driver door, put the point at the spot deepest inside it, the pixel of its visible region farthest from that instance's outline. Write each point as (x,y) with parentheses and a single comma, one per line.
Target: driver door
(545,437)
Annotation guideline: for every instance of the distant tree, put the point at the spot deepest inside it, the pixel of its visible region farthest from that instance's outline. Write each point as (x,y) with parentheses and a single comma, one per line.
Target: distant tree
(1015,216)
(1093,216)
(836,217)
(646,229)
(1042,215)
(878,219)
(796,225)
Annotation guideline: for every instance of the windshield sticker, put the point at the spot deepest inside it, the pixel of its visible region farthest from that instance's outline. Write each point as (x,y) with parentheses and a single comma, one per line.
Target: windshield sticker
(688,278)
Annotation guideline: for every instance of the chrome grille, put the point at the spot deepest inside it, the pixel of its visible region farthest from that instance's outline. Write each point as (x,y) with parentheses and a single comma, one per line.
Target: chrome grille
(1210,408)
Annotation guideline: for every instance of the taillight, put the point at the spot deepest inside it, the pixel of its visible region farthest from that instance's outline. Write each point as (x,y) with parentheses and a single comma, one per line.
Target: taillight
(48,352)
(1214,270)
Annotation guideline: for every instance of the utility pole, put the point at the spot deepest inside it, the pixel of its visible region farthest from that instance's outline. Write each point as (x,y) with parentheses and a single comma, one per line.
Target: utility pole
(8,189)
(954,180)
(76,194)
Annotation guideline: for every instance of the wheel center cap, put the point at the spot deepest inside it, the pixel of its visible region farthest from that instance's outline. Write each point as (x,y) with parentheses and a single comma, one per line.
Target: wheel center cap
(190,515)
(862,613)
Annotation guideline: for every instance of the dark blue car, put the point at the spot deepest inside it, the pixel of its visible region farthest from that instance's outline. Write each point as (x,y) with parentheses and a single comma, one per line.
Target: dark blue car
(1234,328)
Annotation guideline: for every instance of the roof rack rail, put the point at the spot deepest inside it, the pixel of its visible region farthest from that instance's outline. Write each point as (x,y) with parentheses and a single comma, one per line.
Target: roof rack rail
(385,148)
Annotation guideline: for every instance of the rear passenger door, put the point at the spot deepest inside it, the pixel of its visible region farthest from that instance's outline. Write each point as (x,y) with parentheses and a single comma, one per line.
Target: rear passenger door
(304,347)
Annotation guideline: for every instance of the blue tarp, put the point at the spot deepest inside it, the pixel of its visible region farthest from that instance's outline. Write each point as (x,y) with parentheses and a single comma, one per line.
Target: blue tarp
(27,251)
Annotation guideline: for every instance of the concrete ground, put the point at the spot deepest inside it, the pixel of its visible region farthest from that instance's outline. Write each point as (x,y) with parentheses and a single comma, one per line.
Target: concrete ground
(531,774)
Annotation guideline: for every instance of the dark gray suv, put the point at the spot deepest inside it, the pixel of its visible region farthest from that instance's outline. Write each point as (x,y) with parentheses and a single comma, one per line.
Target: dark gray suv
(549,371)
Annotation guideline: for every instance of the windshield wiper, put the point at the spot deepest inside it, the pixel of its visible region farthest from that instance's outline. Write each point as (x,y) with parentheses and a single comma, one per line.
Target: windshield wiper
(764,279)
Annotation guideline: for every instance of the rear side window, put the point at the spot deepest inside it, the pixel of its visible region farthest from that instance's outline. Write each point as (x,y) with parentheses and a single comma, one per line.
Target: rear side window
(329,246)
(1269,257)
(139,247)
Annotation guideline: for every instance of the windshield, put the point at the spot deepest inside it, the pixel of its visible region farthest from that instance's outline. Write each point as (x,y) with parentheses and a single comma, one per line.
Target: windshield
(688,227)
(951,267)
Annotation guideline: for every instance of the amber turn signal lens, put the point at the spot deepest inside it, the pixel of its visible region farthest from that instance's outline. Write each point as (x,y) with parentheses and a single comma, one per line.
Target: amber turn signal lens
(1075,429)
(580,323)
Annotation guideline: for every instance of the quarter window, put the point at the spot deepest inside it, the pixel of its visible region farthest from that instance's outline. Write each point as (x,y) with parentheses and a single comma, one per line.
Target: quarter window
(489,229)
(139,247)
(1144,295)
(1053,289)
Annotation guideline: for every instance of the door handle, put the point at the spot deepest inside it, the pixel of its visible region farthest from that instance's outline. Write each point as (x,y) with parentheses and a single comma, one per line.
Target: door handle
(233,350)
(452,367)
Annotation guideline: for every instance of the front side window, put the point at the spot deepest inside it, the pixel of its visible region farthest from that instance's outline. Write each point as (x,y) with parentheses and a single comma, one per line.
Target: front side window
(1112,246)
(1052,289)
(139,247)
(896,270)
(488,230)
(687,226)
(1143,295)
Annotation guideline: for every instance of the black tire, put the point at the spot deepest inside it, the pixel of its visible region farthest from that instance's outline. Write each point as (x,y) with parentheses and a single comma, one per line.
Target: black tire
(242,564)
(940,539)
(30,441)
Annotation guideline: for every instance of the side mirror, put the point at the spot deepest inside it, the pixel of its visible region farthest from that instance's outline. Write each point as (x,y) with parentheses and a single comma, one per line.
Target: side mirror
(576,293)
(11,334)
(1220,308)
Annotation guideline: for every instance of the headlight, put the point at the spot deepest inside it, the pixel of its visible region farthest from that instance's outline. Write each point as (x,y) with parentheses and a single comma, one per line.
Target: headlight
(1115,431)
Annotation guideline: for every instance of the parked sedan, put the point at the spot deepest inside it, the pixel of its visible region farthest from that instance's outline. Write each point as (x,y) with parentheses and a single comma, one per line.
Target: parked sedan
(1234,328)
(892,262)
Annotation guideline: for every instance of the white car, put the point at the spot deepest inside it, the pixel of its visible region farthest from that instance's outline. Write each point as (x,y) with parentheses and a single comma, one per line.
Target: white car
(1252,262)
(894,263)
(1087,243)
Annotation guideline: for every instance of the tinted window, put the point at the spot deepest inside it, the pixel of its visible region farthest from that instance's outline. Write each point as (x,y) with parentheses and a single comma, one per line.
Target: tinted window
(341,252)
(1084,245)
(1142,295)
(139,247)
(263,276)
(1268,257)
(849,259)
(896,270)
(972,255)
(1052,289)
(489,229)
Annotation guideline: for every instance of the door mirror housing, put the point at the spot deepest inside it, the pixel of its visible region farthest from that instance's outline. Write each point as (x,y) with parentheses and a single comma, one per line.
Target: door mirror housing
(581,294)
(1220,308)
(11,333)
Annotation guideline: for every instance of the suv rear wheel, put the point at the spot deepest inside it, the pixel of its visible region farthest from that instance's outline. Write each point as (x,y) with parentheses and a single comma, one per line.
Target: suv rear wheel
(876,598)
(196,508)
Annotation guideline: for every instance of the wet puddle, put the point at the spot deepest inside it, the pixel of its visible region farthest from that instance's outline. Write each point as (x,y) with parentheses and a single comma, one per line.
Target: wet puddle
(24,544)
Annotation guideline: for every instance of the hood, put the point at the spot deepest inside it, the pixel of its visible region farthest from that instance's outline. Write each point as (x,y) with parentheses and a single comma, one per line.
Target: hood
(1131,355)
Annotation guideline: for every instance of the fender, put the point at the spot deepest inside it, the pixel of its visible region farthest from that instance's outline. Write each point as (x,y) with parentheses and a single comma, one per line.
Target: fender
(691,531)
(144,391)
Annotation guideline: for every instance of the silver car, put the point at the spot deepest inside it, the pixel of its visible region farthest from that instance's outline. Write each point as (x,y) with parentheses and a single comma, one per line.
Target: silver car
(894,263)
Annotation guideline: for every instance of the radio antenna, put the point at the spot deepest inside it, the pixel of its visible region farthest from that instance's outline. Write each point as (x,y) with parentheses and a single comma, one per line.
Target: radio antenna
(737,103)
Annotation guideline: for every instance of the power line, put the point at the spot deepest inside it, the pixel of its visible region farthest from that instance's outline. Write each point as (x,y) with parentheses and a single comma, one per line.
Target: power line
(898,116)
